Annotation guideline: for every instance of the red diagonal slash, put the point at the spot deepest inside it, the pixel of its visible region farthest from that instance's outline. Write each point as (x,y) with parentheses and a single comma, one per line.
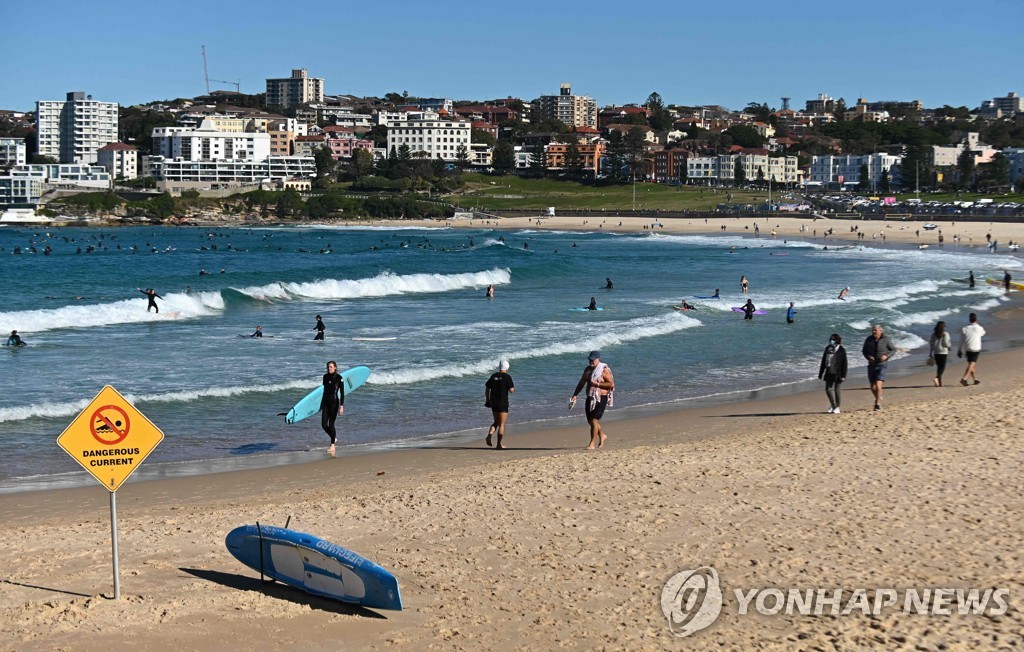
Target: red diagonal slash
(98,415)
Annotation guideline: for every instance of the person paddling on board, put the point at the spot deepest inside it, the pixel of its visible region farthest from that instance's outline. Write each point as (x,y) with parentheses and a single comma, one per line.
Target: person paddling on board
(686,306)
(15,340)
(593,304)
(152,296)
(332,404)
(843,293)
(319,328)
(717,294)
(258,333)
(608,284)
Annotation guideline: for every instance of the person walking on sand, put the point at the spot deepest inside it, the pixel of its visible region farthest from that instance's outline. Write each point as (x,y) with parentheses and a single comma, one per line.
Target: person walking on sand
(496,391)
(877,350)
(833,370)
(744,284)
(790,313)
(332,404)
(600,384)
(970,347)
(152,296)
(319,328)
(938,351)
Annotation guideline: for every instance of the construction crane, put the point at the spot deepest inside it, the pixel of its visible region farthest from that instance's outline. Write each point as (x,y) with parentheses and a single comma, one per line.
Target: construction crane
(206,77)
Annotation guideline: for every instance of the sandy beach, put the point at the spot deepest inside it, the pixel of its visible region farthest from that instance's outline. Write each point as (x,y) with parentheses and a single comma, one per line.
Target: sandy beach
(896,230)
(548,546)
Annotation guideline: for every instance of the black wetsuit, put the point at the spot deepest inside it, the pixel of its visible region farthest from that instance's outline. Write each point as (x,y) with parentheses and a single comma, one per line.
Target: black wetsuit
(319,329)
(748,310)
(257,334)
(593,305)
(15,340)
(333,398)
(152,296)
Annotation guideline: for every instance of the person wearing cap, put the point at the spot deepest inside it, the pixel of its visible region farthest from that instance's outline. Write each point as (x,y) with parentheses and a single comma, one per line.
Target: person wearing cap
(496,391)
(600,384)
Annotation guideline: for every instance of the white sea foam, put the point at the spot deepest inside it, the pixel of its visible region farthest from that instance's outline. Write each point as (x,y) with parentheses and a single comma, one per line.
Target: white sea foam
(986,305)
(66,409)
(173,307)
(382,285)
(612,334)
(726,241)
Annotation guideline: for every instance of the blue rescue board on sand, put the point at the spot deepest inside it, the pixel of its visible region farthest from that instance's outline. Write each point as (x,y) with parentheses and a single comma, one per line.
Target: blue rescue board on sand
(310,403)
(315,566)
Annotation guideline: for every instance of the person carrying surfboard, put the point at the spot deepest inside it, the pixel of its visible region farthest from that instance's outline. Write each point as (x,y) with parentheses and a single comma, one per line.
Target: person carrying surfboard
(333,402)
(748,310)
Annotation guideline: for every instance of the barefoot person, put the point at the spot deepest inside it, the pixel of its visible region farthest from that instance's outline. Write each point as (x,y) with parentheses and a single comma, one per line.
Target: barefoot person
(597,378)
(877,350)
(938,350)
(332,404)
(496,391)
(970,347)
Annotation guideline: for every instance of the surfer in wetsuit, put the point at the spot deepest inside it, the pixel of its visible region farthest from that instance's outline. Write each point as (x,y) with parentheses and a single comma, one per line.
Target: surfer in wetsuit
(258,333)
(717,294)
(332,404)
(608,284)
(15,340)
(748,309)
(152,296)
(970,279)
(593,304)
(319,328)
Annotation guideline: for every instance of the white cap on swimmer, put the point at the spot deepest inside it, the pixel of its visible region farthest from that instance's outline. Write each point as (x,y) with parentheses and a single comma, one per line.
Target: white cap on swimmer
(503,365)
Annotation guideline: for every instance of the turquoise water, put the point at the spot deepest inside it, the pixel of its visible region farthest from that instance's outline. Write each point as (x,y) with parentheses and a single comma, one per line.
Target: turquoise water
(217,396)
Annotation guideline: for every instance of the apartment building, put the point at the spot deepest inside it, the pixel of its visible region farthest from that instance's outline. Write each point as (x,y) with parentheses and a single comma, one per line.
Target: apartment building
(20,190)
(207,143)
(670,165)
(722,169)
(177,175)
(590,155)
(120,160)
(71,131)
(942,156)
(342,147)
(1009,105)
(1015,157)
(12,152)
(573,110)
(292,91)
(59,175)
(836,171)
(428,132)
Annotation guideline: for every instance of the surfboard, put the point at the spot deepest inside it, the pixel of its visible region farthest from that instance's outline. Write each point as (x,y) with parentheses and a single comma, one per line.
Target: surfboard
(960,280)
(585,309)
(310,403)
(373,339)
(756,312)
(267,337)
(682,308)
(316,566)
(998,282)
(697,296)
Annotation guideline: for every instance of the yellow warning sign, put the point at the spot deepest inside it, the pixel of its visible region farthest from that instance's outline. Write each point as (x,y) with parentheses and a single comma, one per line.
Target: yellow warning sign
(110,438)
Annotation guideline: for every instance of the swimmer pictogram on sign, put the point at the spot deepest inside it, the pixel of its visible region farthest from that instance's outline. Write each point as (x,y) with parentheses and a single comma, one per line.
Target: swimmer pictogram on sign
(110,438)
(110,425)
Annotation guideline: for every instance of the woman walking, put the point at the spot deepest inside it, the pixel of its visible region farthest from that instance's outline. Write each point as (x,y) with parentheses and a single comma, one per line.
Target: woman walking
(939,345)
(333,402)
(833,370)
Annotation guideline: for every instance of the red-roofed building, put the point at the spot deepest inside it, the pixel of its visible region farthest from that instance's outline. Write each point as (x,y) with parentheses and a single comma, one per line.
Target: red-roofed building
(492,114)
(308,145)
(486,127)
(120,160)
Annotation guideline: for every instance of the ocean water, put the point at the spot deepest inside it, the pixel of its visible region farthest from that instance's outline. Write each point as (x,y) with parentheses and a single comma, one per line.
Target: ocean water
(218,396)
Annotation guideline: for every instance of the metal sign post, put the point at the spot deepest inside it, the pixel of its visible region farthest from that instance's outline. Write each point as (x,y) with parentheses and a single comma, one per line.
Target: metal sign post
(113,543)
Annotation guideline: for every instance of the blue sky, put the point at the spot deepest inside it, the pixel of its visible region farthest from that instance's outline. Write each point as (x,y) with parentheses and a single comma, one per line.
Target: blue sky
(728,53)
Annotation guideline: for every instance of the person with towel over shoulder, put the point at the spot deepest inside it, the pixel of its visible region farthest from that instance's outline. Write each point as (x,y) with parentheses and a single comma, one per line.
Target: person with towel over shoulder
(600,384)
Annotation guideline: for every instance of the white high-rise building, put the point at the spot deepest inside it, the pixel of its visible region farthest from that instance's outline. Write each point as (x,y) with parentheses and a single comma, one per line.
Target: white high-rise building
(428,132)
(207,143)
(572,110)
(840,170)
(71,131)
(120,160)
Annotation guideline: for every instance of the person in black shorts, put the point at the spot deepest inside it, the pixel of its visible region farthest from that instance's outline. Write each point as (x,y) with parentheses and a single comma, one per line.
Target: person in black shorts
(332,404)
(319,328)
(597,378)
(496,391)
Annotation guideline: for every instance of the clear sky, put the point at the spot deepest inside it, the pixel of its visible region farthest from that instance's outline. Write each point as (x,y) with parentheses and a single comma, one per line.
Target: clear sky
(726,52)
